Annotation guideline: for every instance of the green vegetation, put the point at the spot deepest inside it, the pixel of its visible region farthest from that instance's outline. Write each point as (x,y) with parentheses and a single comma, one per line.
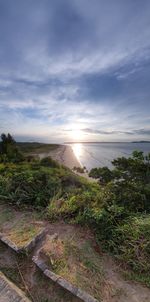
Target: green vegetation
(35,185)
(80,169)
(12,273)
(29,148)
(8,149)
(19,227)
(23,232)
(6,215)
(103,174)
(76,261)
(49,162)
(117,208)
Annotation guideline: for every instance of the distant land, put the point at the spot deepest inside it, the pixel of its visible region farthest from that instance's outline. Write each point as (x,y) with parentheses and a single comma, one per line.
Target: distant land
(141,142)
(35,147)
(76,142)
(107,142)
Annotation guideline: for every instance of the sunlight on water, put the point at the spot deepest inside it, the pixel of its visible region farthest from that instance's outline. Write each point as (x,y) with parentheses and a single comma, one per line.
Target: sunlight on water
(92,155)
(78,150)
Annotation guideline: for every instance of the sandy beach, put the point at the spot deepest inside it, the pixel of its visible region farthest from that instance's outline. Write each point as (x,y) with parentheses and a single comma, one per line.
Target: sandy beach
(64,155)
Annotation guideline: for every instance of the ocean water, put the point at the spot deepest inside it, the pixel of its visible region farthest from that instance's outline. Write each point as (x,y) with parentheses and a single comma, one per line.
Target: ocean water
(93,155)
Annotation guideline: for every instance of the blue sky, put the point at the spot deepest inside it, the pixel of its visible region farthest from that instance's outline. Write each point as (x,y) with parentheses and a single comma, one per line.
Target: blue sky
(75,70)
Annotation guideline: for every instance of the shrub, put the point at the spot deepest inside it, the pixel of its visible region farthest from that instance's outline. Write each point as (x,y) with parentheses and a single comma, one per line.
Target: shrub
(9,151)
(49,162)
(134,243)
(79,169)
(104,174)
(118,210)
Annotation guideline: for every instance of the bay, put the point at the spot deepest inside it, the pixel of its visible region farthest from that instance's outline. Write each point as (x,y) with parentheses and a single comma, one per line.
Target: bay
(93,155)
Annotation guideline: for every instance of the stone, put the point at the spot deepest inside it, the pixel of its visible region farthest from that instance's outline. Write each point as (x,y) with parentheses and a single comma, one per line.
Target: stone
(39,263)
(67,285)
(85,296)
(9,292)
(63,283)
(51,275)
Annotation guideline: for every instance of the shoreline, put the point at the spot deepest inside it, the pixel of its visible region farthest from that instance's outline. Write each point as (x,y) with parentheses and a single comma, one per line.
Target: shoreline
(67,157)
(64,155)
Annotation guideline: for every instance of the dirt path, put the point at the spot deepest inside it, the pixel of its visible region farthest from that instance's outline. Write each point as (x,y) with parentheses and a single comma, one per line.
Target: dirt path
(119,290)
(114,289)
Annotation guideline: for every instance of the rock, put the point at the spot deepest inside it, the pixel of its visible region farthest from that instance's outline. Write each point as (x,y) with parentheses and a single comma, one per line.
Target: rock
(52,237)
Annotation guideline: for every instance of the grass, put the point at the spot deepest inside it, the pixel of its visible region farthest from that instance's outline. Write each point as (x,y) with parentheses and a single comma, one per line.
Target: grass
(19,227)
(133,276)
(28,148)
(23,233)
(6,215)
(42,289)
(77,262)
(47,291)
(12,273)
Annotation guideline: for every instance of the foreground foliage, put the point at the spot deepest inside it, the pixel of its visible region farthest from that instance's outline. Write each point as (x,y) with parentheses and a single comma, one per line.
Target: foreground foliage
(35,185)
(117,208)
(9,151)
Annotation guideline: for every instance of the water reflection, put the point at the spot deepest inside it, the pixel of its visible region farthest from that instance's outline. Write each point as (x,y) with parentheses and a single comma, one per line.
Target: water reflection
(78,150)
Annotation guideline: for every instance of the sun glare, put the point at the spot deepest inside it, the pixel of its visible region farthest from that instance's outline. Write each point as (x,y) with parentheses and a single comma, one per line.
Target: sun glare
(76,135)
(77,149)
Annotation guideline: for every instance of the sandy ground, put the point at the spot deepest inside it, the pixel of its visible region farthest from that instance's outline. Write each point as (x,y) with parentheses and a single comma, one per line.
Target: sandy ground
(64,155)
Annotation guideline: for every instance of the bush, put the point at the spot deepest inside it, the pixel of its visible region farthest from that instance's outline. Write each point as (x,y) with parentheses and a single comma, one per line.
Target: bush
(34,188)
(104,174)
(118,210)
(49,162)
(36,185)
(9,151)
(79,169)
(134,243)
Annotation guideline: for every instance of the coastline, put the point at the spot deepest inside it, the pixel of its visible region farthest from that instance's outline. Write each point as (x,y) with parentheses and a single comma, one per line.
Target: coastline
(67,157)
(64,155)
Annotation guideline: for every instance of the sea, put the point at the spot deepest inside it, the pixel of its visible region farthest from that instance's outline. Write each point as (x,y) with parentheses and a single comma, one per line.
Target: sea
(92,155)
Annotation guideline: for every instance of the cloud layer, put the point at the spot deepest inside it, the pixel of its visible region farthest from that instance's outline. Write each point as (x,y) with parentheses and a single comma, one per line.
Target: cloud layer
(75,65)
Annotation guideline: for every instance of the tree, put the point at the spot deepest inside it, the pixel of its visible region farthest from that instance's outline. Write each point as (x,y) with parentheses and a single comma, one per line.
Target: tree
(9,150)
(104,174)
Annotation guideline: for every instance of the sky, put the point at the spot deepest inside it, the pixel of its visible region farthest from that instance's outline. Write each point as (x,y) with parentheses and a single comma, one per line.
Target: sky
(75,70)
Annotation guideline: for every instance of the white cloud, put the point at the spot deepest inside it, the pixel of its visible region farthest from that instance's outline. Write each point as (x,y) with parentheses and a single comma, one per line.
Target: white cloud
(41,74)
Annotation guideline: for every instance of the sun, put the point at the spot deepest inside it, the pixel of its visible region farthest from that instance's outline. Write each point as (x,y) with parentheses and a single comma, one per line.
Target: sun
(76,135)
